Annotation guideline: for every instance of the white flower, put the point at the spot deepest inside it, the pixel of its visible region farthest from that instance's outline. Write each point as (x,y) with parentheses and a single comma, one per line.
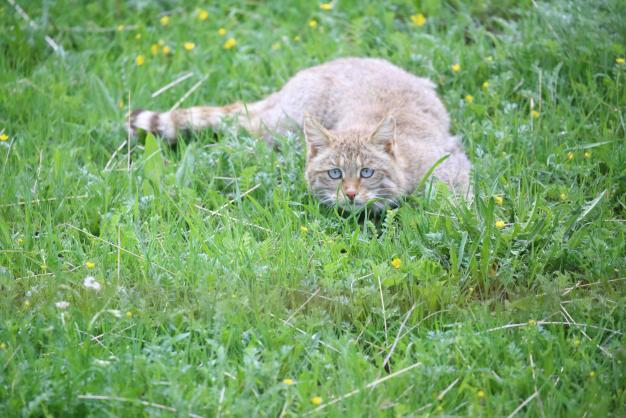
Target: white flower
(62,304)
(91,283)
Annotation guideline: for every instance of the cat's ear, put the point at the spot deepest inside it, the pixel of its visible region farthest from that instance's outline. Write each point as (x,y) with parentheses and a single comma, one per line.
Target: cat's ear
(385,134)
(315,134)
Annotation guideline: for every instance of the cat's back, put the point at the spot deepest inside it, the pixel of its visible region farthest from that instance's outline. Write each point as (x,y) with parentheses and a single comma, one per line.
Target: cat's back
(353,71)
(354,76)
(349,92)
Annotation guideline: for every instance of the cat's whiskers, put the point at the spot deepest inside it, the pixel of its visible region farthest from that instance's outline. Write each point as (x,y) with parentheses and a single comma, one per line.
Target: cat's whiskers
(382,202)
(327,200)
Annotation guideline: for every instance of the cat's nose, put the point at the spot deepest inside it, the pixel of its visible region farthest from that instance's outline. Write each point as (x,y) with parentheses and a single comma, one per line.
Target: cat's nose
(351,194)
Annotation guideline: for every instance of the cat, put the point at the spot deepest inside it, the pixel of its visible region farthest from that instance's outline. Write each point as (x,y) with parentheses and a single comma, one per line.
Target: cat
(372,130)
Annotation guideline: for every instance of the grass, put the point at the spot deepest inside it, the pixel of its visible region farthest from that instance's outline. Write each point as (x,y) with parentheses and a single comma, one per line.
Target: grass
(221,277)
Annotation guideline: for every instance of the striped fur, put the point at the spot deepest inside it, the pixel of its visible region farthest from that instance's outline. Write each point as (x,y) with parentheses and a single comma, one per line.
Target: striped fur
(169,124)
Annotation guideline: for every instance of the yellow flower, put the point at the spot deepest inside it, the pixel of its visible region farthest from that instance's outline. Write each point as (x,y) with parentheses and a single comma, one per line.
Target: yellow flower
(620,61)
(230,42)
(120,28)
(418,19)
(469,99)
(90,265)
(140,60)
(499,200)
(3,346)
(592,374)
(288,382)
(563,196)
(154,49)
(500,224)
(456,68)
(576,342)
(485,85)
(203,14)
(312,23)
(27,303)
(481,393)
(304,229)
(165,20)
(316,400)
(166,50)
(570,156)
(129,314)
(221,31)
(532,322)
(4,137)
(326,6)
(587,154)
(396,262)
(296,38)
(189,46)
(535,114)
(489,58)
(20,241)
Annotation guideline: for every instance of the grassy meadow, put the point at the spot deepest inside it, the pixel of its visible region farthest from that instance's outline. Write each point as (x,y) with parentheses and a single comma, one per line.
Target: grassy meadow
(138,279)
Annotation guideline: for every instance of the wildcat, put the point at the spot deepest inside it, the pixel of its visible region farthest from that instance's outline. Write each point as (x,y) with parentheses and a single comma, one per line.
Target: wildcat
(372,130)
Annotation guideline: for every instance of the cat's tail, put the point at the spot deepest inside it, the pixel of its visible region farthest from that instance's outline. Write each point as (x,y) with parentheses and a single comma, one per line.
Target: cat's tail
(170,124)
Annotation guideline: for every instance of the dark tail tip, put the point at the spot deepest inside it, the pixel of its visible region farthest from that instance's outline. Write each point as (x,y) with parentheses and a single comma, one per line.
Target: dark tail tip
(133,115)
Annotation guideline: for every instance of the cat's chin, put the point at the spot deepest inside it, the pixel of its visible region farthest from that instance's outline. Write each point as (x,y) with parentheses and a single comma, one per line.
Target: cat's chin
(371,206)
(352,207)
(375,205)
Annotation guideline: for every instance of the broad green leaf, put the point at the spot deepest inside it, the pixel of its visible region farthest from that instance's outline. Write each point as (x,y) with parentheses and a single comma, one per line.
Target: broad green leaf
(153,164)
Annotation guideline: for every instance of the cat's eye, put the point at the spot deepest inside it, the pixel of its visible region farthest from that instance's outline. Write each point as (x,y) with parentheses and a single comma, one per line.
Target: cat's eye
(367,173)
(334,173)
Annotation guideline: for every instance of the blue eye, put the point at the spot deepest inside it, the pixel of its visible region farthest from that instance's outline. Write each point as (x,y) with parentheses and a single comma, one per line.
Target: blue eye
(367,173)
(334,173)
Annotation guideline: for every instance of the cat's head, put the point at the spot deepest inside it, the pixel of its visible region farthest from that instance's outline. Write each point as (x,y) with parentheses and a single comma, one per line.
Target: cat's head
(352,168)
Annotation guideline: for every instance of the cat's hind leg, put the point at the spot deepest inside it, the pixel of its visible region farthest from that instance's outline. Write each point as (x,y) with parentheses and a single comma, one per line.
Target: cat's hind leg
(455,171)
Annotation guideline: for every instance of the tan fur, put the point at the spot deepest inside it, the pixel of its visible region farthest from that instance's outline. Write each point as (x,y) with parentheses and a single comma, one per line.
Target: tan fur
(356,113)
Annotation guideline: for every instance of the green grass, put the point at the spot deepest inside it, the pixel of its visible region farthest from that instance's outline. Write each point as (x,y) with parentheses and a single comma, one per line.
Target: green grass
(208,313)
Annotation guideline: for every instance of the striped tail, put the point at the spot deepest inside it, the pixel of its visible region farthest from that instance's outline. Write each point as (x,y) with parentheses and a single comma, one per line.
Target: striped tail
(170,124)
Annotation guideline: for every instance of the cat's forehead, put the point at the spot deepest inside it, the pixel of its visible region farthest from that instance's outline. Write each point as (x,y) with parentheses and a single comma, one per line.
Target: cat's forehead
(348,154)
(349,157)
(351,160)
(356,151)
(349,146)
